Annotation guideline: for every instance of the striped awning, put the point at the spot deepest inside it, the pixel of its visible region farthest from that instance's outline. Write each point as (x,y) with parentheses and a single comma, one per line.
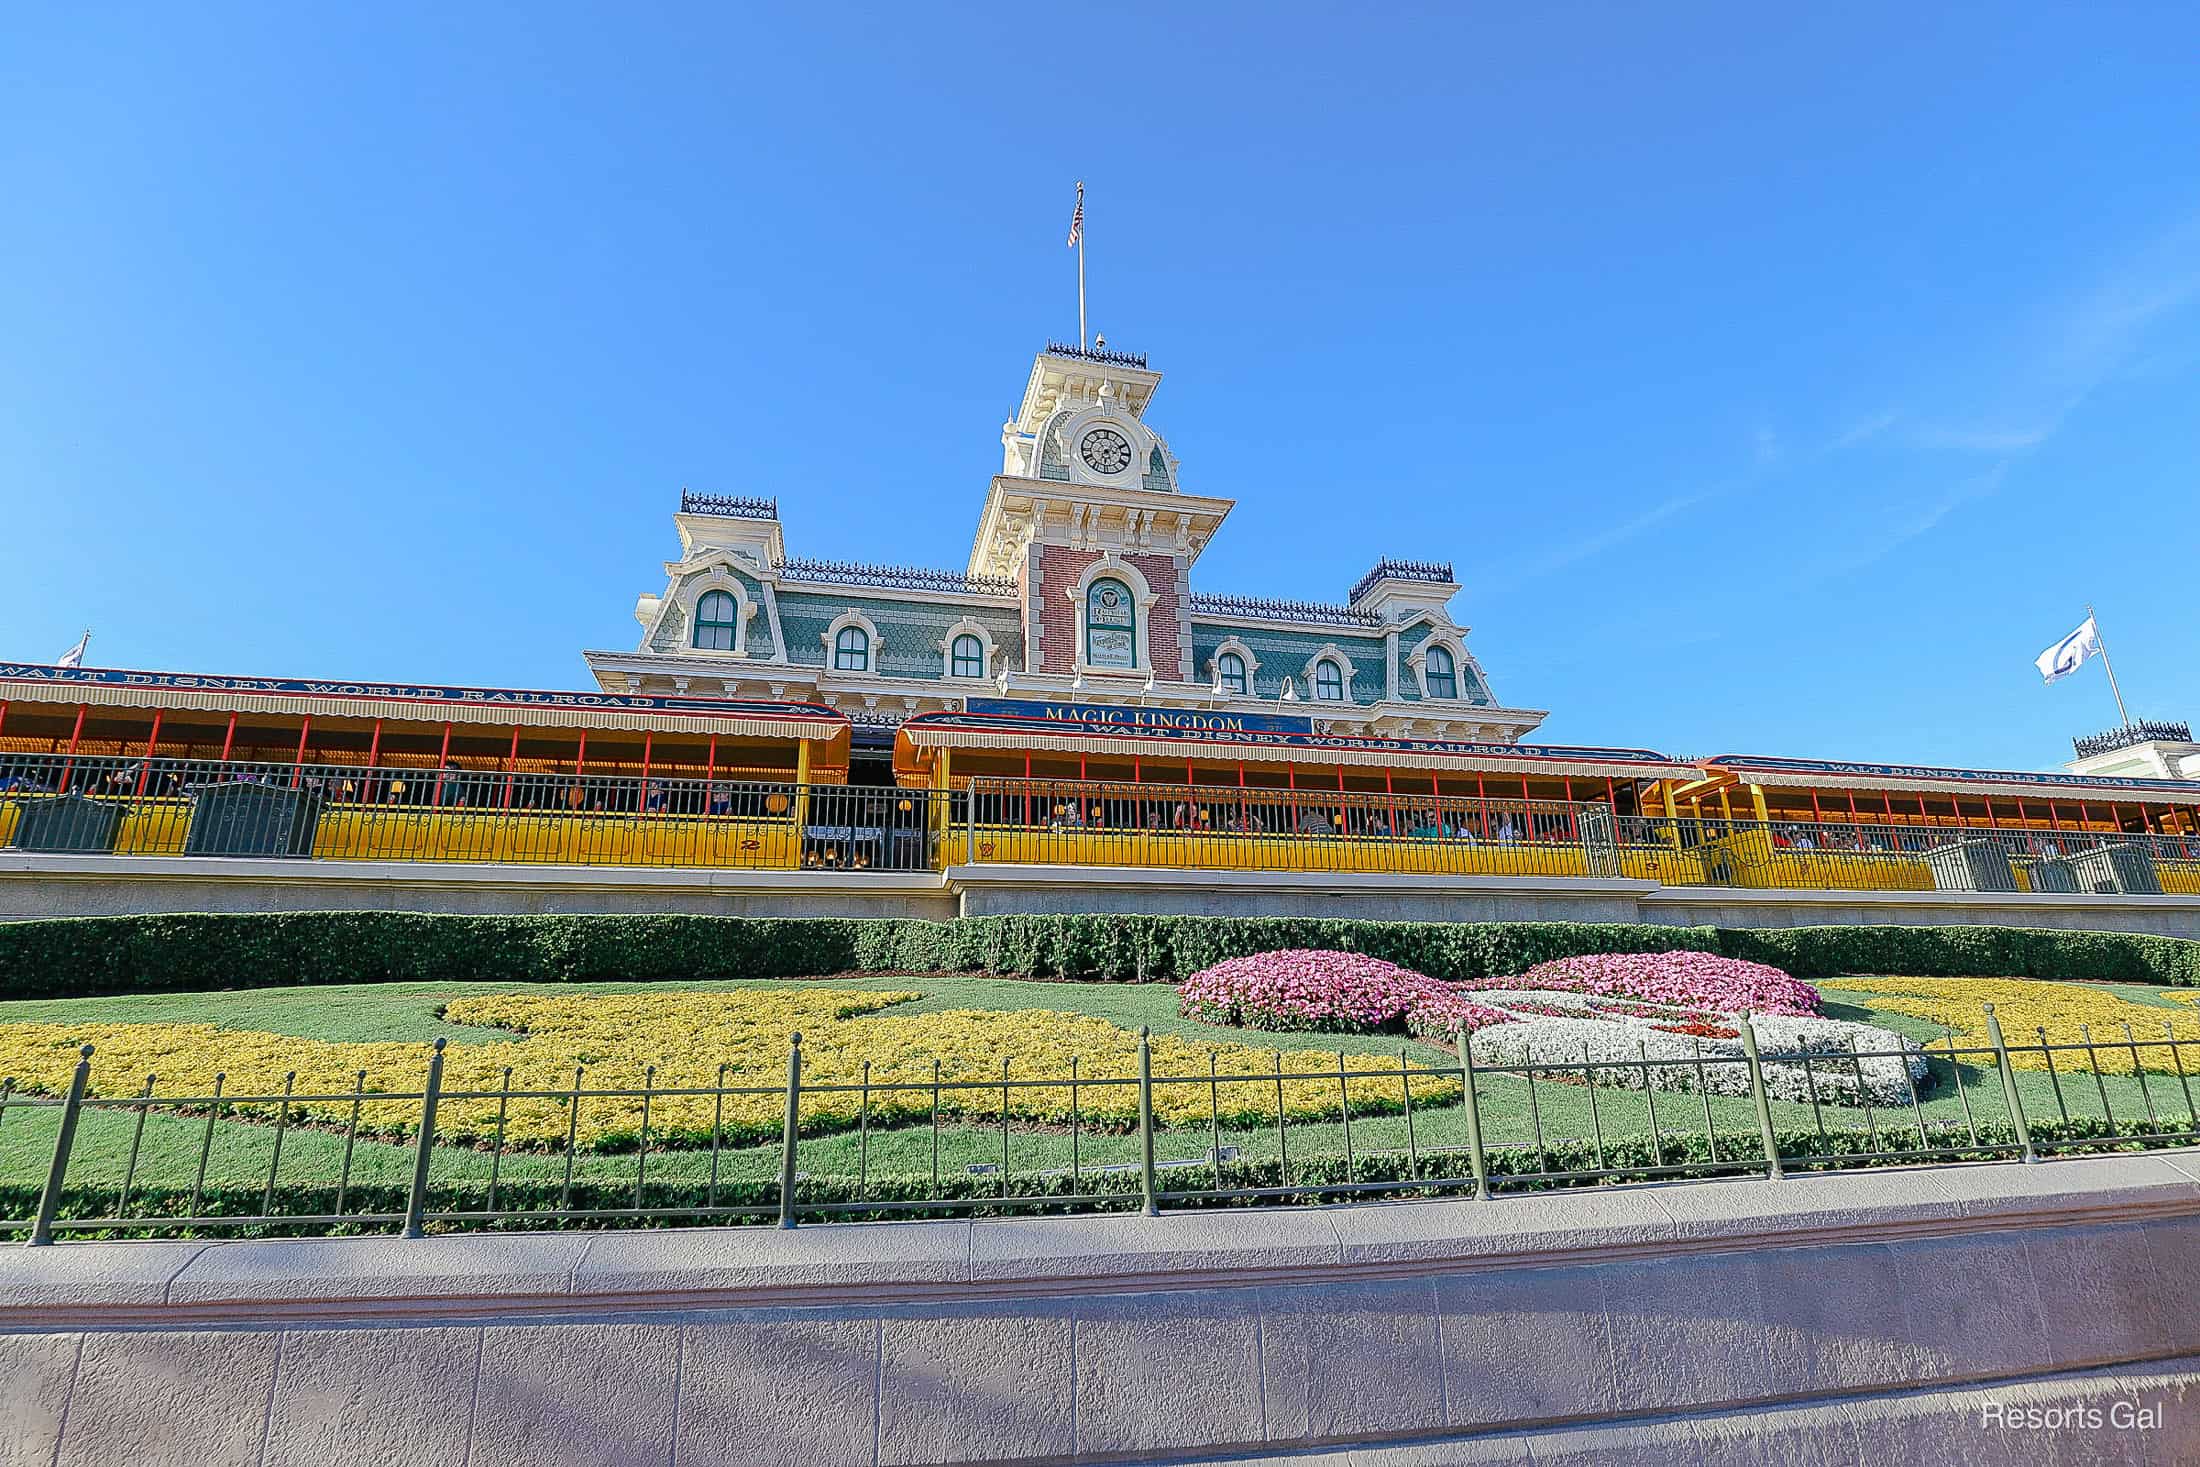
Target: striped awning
(1824,774)
(424,703)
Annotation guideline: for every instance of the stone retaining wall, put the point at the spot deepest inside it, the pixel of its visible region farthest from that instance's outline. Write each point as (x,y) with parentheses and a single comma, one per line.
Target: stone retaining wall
(1829,1318)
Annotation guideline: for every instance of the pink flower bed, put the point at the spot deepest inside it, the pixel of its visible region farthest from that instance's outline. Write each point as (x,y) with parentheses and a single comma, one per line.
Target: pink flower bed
(1682,979)
(1305,988)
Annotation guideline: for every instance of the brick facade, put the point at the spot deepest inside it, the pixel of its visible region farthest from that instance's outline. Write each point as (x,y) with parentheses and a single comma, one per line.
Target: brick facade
(1054,573)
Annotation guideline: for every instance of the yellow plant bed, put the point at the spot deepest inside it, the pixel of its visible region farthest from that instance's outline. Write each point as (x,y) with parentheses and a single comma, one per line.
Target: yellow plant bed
(686,1037)
(2025,1006)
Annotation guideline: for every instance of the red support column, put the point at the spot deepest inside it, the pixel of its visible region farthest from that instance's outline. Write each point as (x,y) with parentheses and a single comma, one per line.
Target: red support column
(442,762)
(1573,830)
(1527,810)
(1482,794)
(145,769)
(510,760)
(374,757)
(2054,816)
(298,760)
(74,735)
(710,772)
(649,739)
(229,739)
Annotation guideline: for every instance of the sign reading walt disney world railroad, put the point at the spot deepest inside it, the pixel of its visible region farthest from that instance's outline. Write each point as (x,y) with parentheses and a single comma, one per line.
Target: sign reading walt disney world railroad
(1192,725)
(401,692)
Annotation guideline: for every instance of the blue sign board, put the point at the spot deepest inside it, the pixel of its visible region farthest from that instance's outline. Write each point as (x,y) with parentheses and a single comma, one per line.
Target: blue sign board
(1751,763)
(1115,718)
(1191,725)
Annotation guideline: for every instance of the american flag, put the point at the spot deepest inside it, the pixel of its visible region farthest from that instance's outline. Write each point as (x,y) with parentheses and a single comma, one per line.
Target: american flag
(1077,220)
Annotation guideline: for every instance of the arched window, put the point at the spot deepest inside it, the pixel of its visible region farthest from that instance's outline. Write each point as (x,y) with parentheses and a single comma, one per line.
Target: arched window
(1328,682)
(1111,625)
(1442,673)
(1230,672)
(717,621)
(967,657)
(852,650)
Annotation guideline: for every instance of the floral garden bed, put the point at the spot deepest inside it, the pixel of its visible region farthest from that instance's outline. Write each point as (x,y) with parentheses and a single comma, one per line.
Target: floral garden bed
(1667,1021)
(670,1041)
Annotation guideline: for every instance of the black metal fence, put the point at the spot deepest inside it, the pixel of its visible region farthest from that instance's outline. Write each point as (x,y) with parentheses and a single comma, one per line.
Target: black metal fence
(1136,1140)
(166,806)
(1075,822)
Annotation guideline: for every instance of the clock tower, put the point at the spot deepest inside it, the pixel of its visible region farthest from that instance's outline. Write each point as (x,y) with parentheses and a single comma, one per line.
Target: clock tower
(1087,517)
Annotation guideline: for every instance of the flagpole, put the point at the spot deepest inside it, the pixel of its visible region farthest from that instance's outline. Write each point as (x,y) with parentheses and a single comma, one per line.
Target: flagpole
(1082,343)
(2102,642)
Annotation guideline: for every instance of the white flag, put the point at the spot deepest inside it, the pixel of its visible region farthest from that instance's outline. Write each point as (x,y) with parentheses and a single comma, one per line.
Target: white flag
(2068,655)
(74,657)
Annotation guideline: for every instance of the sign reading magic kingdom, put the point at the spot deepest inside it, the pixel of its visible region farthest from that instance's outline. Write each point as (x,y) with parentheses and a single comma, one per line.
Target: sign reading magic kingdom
(1192,725)
(391,692)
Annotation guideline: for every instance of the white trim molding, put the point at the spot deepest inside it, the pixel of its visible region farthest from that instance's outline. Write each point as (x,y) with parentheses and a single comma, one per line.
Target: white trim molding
(840,623)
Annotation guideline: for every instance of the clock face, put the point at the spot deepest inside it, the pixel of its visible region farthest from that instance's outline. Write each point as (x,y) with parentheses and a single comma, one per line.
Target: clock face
(1105,451)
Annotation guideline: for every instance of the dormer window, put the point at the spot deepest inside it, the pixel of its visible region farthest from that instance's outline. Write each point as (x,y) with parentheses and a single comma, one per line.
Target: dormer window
(1230,673)
(1328,682)
(717,622)
(852,650)
(967,657)
(1442,672)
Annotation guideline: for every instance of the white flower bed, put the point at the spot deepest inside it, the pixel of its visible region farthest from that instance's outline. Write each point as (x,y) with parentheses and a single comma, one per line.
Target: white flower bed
(1599,1031)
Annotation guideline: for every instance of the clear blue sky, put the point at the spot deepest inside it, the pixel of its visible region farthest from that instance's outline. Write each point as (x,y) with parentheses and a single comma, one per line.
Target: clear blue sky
(1774,387)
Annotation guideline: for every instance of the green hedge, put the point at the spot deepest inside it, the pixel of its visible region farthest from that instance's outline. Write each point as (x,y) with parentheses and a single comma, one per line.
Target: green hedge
(100,955)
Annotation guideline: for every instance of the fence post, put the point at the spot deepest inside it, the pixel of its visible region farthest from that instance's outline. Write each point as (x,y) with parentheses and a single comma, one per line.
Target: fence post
(1148,1185)
(792,1135)
(1773,1173)
(2009,1083)
(49,1201)
(1473,1103)
(970,821)
(416,1200)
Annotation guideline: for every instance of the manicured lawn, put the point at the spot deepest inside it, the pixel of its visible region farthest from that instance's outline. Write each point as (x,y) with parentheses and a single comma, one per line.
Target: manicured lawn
(169,1146)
